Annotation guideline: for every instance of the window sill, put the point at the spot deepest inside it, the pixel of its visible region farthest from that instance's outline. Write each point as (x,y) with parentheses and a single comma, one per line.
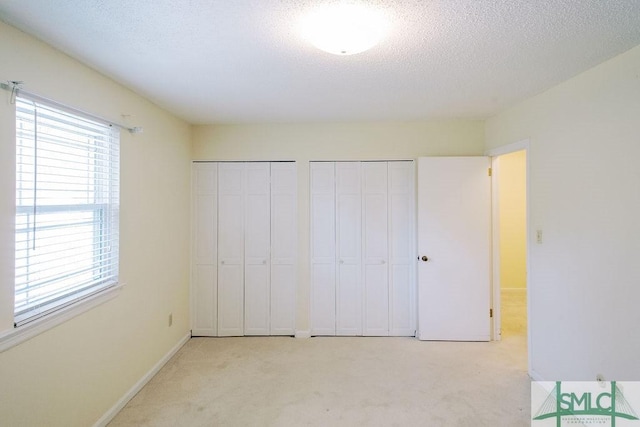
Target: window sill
(18,335)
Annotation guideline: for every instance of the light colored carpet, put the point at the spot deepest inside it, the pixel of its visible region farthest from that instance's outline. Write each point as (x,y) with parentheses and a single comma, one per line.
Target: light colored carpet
(513,311)
(337,381)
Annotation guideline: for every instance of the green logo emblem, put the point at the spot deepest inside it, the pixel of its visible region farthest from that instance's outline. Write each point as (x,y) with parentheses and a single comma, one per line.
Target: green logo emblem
(609,403)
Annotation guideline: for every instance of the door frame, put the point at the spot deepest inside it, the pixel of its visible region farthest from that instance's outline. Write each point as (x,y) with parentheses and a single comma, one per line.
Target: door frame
(494,154)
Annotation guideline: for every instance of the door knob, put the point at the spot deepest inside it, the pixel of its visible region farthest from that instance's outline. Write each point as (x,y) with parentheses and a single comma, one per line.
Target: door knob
(424,258)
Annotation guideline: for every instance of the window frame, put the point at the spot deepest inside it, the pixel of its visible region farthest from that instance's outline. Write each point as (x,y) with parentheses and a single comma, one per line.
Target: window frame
(66,306)
(20,334)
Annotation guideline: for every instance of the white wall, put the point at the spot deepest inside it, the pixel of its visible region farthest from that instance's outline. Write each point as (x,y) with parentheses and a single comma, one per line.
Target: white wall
(337,141)
(585,197)
(72,374)
(512,219)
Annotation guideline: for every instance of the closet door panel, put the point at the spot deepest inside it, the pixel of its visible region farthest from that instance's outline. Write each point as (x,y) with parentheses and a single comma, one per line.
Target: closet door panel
(204,301)
(231,249)
(375,249)
(402,252)
(256,310)
(284,244)
(348,244)
(205,228)
(257,237)
(204,271)
(323,249)
(205,211)
(230,300)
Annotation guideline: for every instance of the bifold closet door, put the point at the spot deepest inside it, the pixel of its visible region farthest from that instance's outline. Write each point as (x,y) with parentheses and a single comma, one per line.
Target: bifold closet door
(204,318)
(323,248)
(375,248)
(402,282)
(284,244)
(244,265)
(362,248)
(231,239)
(348,245)
(257,241)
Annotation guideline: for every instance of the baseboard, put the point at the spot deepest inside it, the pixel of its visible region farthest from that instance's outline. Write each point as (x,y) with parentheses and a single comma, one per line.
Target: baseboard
(111,413)
(535,376)
(514,290)
(303,334)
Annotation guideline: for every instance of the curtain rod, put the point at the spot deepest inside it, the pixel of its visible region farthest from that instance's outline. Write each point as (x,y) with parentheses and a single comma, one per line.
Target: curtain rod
(14,88)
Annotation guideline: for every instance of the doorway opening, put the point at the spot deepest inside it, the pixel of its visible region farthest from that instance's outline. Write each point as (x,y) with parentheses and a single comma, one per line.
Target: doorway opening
(512,219)
(510,244)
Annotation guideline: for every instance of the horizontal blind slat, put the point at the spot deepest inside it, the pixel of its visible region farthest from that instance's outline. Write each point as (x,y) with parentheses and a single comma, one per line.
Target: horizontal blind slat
(45,271)
(65,276)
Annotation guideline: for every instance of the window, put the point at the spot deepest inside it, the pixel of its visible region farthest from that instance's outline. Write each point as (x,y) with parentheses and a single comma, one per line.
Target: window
(67,204)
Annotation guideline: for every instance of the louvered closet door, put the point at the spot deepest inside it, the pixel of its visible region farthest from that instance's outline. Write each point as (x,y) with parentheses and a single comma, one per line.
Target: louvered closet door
(375,248)
(231,249)
(348,247)
(257,240)
(284,243)
(402,282)
(204,264)
(323,248)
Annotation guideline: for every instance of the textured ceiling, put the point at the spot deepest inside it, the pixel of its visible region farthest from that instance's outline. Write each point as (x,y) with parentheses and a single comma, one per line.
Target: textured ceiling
(221,61)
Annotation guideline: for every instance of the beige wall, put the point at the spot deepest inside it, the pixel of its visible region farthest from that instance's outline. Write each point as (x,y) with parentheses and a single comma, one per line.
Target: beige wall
(585,142)
(513,219)
(72,374)
(584,137)
(337,141)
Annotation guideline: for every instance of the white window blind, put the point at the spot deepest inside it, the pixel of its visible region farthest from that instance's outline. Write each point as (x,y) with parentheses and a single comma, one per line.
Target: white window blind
(67,208)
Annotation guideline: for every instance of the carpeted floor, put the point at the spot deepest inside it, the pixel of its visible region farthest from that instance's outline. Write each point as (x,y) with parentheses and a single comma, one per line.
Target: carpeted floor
(337,381)
(514,311)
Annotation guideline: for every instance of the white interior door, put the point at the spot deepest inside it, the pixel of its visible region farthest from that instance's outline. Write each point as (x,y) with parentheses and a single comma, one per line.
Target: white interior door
(348,247)
(231,249)
(284,243)
(454,236)
(257,242)
(204,293)
(323,248)
(375,249)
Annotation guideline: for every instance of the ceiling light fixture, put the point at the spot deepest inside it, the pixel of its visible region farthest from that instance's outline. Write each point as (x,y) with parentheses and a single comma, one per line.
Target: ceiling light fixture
(344,28)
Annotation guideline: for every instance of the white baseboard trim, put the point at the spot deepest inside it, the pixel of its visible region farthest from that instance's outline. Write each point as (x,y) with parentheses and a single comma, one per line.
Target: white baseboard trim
(111,413)
(303,334)
(535,376)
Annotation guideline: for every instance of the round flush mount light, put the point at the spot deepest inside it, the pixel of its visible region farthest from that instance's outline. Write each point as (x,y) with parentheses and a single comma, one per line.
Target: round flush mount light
(344,28)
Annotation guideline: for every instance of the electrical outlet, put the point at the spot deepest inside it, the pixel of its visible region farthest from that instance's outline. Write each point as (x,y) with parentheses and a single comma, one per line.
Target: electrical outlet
(538,236)
(170,319)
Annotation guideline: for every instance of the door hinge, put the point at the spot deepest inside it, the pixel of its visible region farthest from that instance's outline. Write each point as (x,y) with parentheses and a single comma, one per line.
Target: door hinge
(489,171)
(491,312)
